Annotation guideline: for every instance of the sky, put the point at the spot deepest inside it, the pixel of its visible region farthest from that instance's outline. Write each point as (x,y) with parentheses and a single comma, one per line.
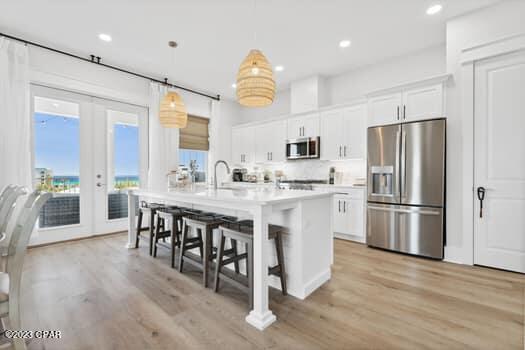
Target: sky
(57,146)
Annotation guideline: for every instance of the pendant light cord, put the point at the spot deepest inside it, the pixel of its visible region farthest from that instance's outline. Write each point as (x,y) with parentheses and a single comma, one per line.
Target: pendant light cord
(255,25)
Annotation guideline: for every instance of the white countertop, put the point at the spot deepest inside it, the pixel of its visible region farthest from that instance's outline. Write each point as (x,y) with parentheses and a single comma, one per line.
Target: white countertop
(257,196)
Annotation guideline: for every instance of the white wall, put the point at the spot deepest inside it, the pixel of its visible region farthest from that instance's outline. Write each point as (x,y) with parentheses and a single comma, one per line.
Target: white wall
(502,20)
(418,65)
(355,84)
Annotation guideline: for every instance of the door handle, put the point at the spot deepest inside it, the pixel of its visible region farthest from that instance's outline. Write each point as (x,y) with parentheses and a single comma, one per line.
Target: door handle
(404,151)
(481,197)
(100,184)
(405,211)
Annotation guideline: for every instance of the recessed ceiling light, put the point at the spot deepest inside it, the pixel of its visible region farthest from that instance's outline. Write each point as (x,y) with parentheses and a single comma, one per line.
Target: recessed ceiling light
(104,37)
(432,10)
(234,86)
(345,43)
(279,68)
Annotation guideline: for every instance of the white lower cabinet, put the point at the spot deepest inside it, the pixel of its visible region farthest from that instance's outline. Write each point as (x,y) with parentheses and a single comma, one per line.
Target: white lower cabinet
(349,216)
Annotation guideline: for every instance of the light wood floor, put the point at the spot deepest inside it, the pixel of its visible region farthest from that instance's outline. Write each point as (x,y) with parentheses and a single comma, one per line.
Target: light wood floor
(103,296)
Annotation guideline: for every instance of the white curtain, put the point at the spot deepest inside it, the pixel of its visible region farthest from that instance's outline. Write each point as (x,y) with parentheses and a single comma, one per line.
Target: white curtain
(214,130)
(163,143)
(15,121)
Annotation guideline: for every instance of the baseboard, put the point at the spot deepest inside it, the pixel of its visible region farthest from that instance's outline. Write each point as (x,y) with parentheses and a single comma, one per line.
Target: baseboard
(350,237)
(75,239)
(314,283)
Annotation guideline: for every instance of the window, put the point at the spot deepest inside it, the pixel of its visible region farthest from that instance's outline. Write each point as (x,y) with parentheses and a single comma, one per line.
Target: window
(194,146)
(199,159)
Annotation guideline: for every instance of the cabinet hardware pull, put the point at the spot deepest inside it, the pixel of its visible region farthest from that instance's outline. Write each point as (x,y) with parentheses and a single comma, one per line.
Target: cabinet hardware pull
(339,206)
(397,112)
(345,151)
(344,206)
(404,112)
(339,151)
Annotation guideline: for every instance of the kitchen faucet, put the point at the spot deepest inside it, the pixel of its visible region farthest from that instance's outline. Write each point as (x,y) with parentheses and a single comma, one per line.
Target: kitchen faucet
(215,173)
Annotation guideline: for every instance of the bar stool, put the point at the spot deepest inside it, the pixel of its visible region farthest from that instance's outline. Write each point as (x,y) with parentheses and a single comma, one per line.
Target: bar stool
(172,218)
(149,210)
(202,226)
(242,232)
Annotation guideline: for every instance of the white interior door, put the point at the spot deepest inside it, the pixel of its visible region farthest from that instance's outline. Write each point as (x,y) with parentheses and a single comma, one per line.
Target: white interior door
(119,161)
(499,232)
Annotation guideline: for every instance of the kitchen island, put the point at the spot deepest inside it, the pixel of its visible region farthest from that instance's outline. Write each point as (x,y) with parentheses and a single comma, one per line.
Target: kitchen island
(308,243)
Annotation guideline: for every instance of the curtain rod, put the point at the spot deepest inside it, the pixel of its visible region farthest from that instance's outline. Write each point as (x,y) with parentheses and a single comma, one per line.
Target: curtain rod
(96,60)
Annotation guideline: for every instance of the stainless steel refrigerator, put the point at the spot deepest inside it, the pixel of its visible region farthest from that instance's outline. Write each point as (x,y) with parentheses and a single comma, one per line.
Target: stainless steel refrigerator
(406,187)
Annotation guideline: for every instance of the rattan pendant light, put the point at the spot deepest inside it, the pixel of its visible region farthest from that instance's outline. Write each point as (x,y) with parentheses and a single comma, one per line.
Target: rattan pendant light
(255,83)
(172,111)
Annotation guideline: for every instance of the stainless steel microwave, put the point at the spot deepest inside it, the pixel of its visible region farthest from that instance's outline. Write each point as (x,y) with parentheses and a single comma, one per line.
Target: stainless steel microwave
(303,148)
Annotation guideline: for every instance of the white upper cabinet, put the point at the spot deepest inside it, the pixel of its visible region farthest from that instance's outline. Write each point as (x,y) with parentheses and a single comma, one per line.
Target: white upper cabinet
(305,126)
(354,128)
(423,103)
(243,145)
(332,135)
(385,109)
(270,142)
(343,133)
(415,101)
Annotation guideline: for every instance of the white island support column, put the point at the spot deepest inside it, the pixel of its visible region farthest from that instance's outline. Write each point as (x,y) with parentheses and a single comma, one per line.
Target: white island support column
(306,216)
(132,214)
(261,316)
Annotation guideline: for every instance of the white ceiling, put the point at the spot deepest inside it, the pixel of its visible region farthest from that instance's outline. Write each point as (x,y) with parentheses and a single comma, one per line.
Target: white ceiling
(214,36)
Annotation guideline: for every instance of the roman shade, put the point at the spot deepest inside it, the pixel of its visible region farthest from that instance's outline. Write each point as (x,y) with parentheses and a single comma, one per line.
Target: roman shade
(195,135)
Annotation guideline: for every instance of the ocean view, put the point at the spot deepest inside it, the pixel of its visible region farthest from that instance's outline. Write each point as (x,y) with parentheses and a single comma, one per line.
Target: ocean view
(74,180)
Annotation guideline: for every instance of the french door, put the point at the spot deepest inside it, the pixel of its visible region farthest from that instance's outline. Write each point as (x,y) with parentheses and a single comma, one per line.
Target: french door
(499,227)
(87,151)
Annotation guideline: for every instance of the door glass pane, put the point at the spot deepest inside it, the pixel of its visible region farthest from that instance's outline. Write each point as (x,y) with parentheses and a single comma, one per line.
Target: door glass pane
(57,160)
(123,168)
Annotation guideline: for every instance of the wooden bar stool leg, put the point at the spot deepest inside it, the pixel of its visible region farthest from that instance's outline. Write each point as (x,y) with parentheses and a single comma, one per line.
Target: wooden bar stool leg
(220,252)
(201,248)
(183,244)
(233,242)
(280,261)
(151,230)
(157,232)
(206,238)
(139,227)
(173,231)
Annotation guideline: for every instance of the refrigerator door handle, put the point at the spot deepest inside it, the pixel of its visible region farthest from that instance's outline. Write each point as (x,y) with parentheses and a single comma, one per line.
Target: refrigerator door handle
(397,165)
(404,166)
(405,211)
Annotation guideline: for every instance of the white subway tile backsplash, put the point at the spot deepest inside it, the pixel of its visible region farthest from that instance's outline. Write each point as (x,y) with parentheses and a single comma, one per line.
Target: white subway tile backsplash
(315,169)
